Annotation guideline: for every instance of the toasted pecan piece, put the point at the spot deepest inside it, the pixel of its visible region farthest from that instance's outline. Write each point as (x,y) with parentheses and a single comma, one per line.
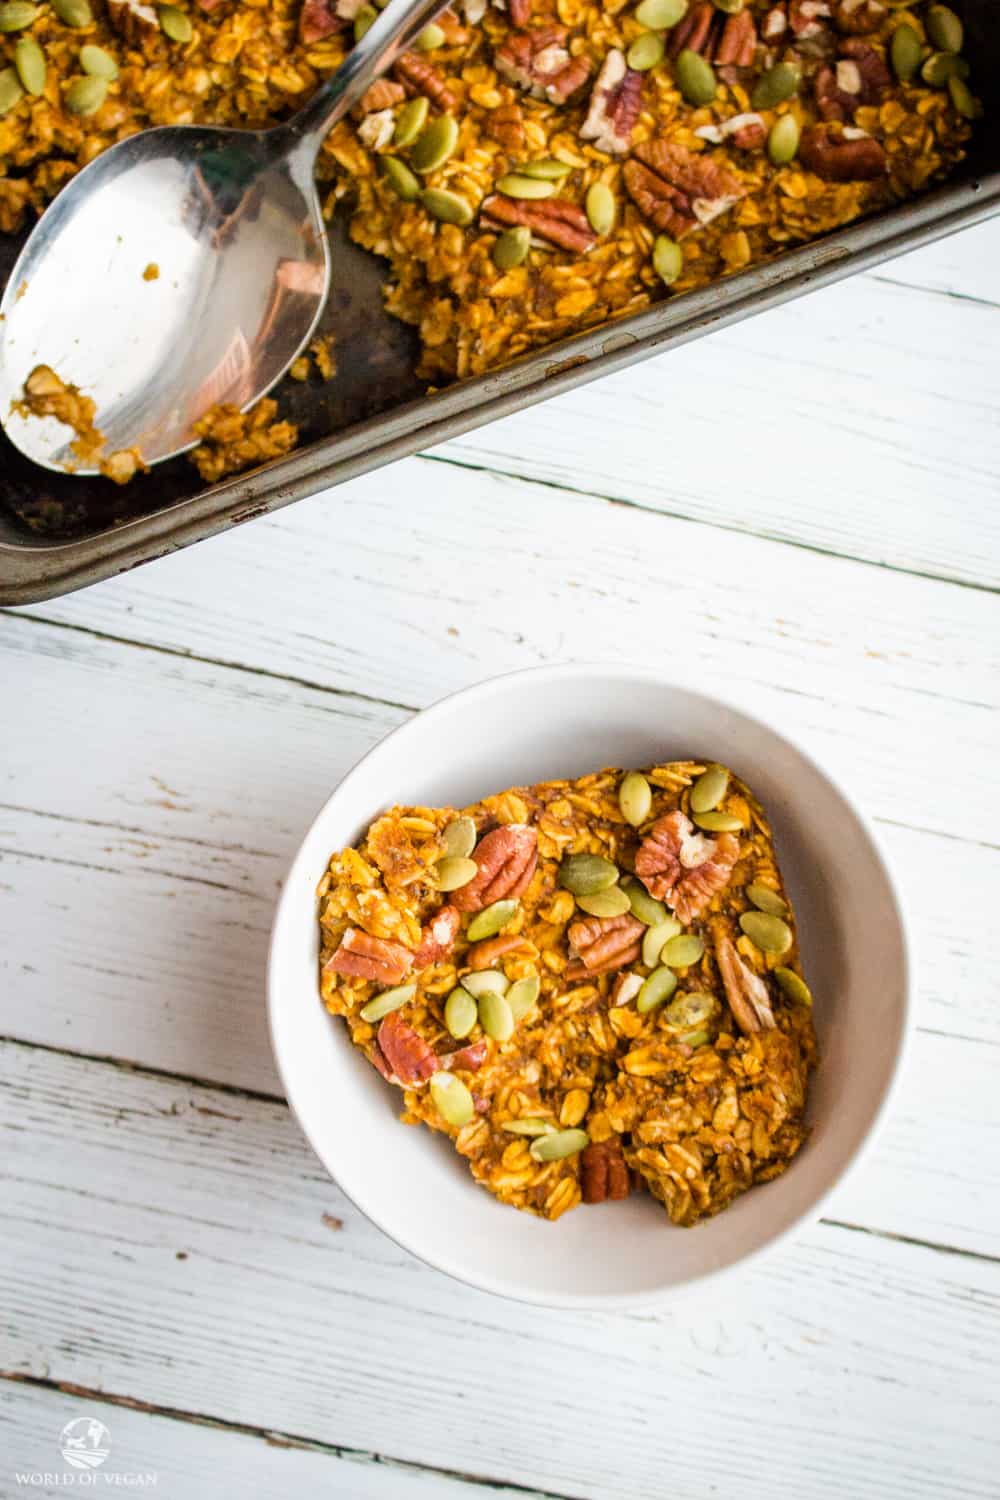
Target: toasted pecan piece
(694,30)
(676,188)
(603,1173)
(538,61)
(133,20)
(506,860)
(365,957)
(554,219)
(603,944)
(438,937)
(614,105)
(859,17)
(420,77)
(411,1060)
(384,93)
(683,867)
(506,125)
(839,158)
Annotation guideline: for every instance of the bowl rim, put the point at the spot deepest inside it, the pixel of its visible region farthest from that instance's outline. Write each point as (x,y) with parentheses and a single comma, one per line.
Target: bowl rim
(615,1300)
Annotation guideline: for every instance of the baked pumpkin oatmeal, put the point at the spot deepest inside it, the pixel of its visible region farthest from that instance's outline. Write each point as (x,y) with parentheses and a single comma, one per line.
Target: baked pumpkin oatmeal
(533,167)
(592,987)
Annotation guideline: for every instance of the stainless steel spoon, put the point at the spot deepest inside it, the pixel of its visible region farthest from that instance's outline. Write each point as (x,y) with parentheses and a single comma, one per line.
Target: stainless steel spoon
(231,222)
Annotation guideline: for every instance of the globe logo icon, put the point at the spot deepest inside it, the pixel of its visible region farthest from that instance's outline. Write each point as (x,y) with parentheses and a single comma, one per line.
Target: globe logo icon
(85,1443)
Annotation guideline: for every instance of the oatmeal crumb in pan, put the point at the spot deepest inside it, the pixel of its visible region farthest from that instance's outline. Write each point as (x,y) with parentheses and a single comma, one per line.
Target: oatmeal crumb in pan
(592,987)
(539,166)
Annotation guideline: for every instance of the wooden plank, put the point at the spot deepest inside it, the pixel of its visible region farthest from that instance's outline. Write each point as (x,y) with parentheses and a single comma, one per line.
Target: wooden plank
(963,265)
(171,1242)
(194,1460)
(891,678)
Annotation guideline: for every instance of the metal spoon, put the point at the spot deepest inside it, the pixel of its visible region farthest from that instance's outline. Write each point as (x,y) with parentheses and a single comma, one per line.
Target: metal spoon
(230,222)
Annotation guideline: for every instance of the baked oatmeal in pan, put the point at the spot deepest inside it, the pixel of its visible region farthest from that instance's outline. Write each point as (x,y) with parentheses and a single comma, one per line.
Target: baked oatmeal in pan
(533,167)
(592,987)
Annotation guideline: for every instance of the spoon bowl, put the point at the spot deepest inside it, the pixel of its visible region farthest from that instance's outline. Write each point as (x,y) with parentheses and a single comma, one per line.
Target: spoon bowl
(185,267)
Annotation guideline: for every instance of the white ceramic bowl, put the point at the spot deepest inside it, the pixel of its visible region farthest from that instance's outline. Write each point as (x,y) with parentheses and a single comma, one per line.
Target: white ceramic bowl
(564,721)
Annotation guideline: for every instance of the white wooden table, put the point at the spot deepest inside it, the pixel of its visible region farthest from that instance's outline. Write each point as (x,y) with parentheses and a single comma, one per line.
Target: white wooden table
(807,503)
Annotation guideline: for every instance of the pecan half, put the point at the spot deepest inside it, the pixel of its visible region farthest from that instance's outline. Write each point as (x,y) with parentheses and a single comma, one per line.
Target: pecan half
(684,868)
(737,41)
(614,105)
(537,60)
(859,17)
(860,77)
(506,125)
(746,992)
(746,131)
(367,957)
(839,158)
(555,219)
(471,1057)
(807,18)
(384,93)
(693,30)
(411,1059)
(603,944)
(505,860)
(420,77)
(319,19)
(603,1173)
(438,937)
(133,20)
(677,189)
(483,955)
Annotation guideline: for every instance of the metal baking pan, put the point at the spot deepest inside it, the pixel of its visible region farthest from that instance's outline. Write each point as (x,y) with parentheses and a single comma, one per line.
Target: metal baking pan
(58,533)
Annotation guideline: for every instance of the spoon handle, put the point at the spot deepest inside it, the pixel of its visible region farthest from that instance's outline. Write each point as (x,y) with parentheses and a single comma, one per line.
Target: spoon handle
(396,28)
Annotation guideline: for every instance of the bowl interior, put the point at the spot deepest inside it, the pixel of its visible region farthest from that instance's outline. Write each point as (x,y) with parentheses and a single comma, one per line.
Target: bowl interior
(564,722)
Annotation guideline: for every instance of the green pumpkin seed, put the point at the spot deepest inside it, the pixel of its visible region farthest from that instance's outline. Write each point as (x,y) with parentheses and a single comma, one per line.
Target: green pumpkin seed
(430,39)
(771,934)
(484,981)
(75,13)
(388,1001)
(767,900)
(682,951)
(459,839)
(689,1010)
(645,52)
(84,96)
(668,259)
(964,99)
(98,63)
(602,209)
(434,144)
(448,207)
(15,15)
(175,24)
(529,1126)
(11,92)
(400,179)
(516,185)
(659,15)
(610,903)
(523,996)
(794,986)
(776,85)
(547,169)
(710,788)
(496,1017)
(783,140)
(583,874)
(452,873)
(717,822)
(642,903)
(655,990)
(635,798)
(944,29)
(410,121)
(556,1145)
(488,922)
(656,938)
(452,1099)
(695,77)
(694,1039)
(905,52)
(511,247)
(364,21)
(460,1012)
(941,66)
(29,60)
